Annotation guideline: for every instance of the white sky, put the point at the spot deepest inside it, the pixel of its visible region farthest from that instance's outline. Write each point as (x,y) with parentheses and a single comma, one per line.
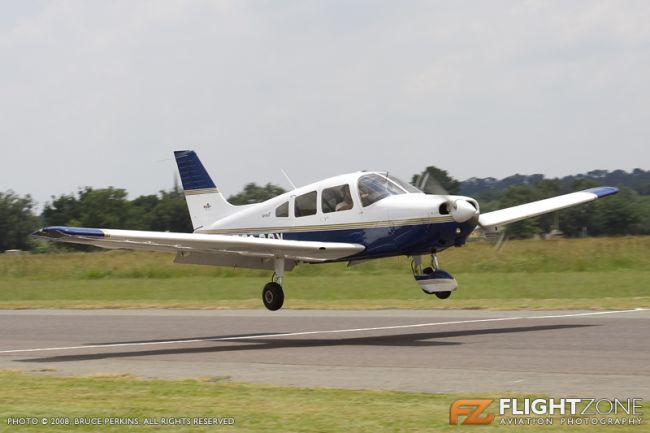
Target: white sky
(100,93)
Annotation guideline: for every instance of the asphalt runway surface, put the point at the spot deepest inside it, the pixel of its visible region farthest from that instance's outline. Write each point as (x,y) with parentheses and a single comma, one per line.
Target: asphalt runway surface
(561,353)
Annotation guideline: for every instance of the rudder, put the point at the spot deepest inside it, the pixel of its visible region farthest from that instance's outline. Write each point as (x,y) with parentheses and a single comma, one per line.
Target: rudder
(204,201)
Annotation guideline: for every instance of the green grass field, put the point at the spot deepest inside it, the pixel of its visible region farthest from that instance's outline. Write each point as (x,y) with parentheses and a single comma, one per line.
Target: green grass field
(255,408)
(584,273)
(600,273)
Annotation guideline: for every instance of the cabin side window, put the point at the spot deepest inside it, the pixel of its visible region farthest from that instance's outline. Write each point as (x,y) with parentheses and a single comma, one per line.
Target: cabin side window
(305,204)
(282,211)
(336,199)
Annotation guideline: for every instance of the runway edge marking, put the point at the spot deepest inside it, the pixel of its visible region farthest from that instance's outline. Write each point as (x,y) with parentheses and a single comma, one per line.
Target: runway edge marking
(331,331)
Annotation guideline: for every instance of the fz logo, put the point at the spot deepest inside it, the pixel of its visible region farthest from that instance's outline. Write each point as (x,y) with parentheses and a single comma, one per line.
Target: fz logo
(472,410)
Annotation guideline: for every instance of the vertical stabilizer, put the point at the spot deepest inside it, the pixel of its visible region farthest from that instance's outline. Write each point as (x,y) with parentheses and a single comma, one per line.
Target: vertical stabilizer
(204,201)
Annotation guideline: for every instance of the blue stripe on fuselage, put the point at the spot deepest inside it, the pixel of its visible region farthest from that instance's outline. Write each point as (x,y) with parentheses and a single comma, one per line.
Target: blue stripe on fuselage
(393,241)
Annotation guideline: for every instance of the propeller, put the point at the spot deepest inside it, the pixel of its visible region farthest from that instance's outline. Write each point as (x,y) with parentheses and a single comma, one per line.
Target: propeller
(497,238)
(460,209)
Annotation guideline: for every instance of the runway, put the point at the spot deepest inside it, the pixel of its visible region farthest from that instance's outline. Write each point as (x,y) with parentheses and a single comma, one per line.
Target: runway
(561,353)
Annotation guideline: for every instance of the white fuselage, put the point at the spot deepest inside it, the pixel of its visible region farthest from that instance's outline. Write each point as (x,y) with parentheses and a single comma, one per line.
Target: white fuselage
(362,222)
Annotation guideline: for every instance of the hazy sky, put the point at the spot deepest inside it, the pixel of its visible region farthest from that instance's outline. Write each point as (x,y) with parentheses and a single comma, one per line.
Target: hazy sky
(100,93)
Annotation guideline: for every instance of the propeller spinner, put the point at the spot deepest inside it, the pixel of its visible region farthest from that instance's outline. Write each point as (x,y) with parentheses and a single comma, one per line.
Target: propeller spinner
(460,209)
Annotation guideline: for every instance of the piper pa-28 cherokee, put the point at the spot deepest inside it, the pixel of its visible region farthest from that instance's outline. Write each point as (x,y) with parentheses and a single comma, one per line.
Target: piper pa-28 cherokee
(352,217)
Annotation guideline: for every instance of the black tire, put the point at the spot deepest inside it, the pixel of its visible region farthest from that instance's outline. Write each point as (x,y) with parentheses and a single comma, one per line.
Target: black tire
(273,296)
(443,295)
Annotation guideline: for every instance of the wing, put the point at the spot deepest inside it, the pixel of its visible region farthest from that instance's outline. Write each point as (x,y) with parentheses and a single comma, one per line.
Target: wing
(492,220)
(229,246)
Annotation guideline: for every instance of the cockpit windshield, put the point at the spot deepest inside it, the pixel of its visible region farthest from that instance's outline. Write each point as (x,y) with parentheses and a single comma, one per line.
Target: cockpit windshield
(374,187)
(405,185)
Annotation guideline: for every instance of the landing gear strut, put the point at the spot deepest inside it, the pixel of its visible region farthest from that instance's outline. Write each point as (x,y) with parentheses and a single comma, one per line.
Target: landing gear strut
(272,294)
(432,279)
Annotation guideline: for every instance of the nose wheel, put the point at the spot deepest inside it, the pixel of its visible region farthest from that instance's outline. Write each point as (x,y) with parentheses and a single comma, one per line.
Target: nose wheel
(443,295)
(432,279)
(273,296)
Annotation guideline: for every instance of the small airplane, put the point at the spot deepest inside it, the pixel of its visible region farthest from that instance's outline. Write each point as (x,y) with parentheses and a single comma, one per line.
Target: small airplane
(353,217)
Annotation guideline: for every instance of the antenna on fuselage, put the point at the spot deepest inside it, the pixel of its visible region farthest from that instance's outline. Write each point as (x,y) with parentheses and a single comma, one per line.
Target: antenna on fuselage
(288,179)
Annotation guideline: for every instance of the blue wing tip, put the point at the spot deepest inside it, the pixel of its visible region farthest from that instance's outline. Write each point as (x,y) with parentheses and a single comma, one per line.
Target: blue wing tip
(60,231)
(602,191)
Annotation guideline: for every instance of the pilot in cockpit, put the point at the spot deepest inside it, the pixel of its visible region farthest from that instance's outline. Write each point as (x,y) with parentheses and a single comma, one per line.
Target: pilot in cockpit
(346,204)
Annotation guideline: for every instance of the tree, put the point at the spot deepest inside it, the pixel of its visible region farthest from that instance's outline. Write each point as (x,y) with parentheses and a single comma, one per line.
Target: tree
(514,196)
(61,211)
(102,208)
(547,188)
(109,208)
(617,215)
(254,193)
(140,212)
(450,185)
(579,220)
(16,221)
(171,214)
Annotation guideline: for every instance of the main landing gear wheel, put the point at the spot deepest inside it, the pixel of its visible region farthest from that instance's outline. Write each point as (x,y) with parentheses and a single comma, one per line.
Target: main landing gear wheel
(273,296)
(443,295)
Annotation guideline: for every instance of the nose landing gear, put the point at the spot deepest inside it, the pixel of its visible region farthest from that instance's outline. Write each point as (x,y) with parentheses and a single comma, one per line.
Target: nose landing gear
(432,279)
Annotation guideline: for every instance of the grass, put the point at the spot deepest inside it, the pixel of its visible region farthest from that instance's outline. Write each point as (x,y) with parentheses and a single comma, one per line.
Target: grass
(597,273)
(255,408)
(585,273)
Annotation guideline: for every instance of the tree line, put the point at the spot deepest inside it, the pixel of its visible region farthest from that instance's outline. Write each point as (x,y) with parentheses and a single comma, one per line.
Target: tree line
(105,207)
(625,213)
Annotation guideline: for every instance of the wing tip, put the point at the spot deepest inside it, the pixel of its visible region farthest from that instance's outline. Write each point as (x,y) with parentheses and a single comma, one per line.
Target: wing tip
(602,191)
(61,231)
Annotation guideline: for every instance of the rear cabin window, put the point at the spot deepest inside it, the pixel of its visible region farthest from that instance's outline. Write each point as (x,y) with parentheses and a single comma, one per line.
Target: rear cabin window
(373,187)
(336,199)
(282,211)
(305,204)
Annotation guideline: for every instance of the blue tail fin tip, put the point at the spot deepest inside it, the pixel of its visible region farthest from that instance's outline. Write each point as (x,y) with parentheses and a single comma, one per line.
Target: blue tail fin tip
(193,174)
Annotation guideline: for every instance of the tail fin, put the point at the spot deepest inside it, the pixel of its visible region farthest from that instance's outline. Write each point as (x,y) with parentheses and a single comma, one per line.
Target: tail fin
(204,201)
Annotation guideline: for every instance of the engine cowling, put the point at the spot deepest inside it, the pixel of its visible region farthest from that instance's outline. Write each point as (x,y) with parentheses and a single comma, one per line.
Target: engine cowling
(461,210)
